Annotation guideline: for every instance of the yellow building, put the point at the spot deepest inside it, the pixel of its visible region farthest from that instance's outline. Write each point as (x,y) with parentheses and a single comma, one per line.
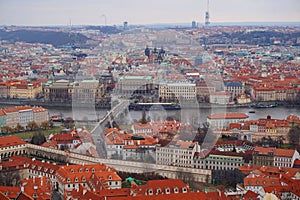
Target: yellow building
(23,89)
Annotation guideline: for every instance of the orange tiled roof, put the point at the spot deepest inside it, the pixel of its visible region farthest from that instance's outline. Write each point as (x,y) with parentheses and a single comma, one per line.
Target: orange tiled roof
(12,192)
(10,141)
(228,116)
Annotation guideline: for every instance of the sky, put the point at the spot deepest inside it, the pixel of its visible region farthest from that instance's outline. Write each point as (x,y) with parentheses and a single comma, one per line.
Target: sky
(94,12)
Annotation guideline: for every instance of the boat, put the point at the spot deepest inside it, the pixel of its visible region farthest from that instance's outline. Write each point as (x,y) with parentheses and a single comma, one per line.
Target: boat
(154,106)
(251,111)
(260,105)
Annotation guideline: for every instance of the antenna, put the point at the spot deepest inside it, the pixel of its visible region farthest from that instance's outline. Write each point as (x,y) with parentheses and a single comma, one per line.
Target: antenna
(105,19)
(207,15)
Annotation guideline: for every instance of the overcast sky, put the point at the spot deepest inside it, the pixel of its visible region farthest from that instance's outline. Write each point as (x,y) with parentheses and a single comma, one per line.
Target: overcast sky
(82,12)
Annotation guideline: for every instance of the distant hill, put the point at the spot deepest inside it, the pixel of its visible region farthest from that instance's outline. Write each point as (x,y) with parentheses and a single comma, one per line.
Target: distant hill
(45,37)
(105,29)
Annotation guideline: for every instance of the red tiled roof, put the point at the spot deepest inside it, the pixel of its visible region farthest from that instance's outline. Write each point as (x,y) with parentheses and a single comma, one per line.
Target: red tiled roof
(10,141)
(228,116)
(12,192)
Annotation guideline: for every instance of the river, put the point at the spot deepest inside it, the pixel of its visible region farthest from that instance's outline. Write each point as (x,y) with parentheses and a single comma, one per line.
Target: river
(186,115)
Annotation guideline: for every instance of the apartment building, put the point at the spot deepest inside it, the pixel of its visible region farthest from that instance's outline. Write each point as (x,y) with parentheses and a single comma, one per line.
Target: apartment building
(174,92)
(224,120)
(274,157)
(134,85)
(177,153)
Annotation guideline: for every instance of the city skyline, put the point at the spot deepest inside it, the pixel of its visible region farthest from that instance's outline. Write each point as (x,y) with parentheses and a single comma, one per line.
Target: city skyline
(92,12)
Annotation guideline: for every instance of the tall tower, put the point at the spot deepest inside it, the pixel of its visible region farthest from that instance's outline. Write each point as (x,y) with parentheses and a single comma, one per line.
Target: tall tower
(207,15)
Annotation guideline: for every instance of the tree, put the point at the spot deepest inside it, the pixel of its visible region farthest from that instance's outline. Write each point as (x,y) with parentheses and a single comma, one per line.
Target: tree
(294,137)
(38,138)
(45,125)
(10,178)
(144,119)
(69,122)
(32,126)
(19,128)
(7,129)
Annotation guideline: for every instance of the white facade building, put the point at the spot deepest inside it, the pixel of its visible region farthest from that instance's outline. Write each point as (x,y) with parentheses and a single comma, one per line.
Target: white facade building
(176,91)
(221,121)
(177,153)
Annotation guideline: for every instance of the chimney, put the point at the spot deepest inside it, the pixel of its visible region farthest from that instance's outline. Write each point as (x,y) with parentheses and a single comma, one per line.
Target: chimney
(84,191)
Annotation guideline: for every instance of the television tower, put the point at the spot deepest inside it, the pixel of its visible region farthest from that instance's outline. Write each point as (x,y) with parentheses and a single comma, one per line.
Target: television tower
(207,15)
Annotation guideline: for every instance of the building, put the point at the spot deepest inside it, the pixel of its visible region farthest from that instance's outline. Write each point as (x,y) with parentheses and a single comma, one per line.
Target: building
(220,97)
(203,91)
(174,92)
(66,141)
(235,88)
(40,114)
(22,115)
(2,120)
(59,91)
(93,177)
(12,116)
(31,168)
(177,153)
(4,90)
(130,85)
(37,188)
(126,146)
(88,91)
(243,99)
(274,157)
(25,115)
(24,89)
(222,121)
(282,183)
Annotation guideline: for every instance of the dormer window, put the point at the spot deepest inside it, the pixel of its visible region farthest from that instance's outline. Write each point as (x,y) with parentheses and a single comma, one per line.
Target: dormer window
(72,170)
(167,190)
(150,192)
(158,190)
(76,179)
(176,190)
(86,170)
(83,179)
(184,190)
(68,180)
(109,177)
(93,170)
(80,170)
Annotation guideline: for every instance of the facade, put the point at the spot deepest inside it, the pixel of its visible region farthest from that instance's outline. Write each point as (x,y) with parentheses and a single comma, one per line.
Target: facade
(203,91)
(4,90)
(24,89)
(220,97)
(243,99)
(67,140)
(40,114)
(2,119)
(235,88)
(221,121)
(274,157)
(25,115)
(12,116)
(177,153)
(126,146)
(135,85)
(88,91)
(93,177)
(59,91)
(174,92)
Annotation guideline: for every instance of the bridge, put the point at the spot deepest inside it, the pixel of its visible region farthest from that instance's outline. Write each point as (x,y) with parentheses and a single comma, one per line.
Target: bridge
(97,131)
